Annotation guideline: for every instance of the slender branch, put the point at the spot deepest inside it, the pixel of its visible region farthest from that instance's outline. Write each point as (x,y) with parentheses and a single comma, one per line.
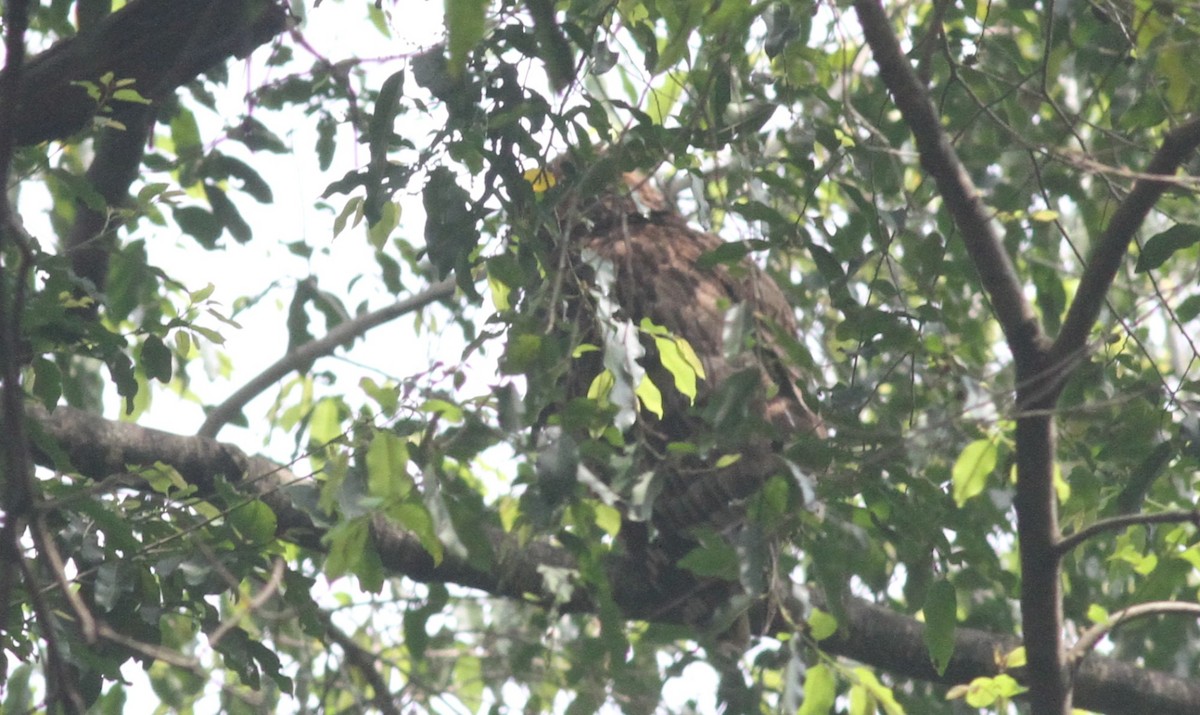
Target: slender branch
(323,346)
(49,552)
(938,157)
(60,681)
(269,589)
(363,661)
(1113,244)
(1120,522)
(1092,636)
(150,650)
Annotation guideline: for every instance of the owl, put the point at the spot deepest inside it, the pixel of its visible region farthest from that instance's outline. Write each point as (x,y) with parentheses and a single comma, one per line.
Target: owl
(645,296)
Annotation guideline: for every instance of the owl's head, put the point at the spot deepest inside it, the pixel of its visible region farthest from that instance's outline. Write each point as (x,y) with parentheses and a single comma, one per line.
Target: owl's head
(594,195)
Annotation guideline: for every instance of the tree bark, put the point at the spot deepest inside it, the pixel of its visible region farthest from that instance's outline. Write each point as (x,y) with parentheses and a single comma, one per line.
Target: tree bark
(161,44)
(871,634)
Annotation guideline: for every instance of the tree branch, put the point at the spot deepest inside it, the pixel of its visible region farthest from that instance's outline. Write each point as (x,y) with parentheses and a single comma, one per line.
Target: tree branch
(1120,522)
(1092,636)
(342,334)
(16,485)
(159,43)
(1038,378)
(871,634)
(996,272)
(1113,244)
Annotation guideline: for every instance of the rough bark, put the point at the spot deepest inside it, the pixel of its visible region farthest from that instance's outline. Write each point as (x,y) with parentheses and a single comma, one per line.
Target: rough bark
(161,44)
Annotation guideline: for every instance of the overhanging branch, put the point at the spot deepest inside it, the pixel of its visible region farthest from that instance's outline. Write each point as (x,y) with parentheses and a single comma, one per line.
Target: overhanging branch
(159,43)
(871,634)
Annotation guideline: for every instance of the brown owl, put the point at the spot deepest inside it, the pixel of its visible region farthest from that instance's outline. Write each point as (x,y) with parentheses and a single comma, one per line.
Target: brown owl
(638,289)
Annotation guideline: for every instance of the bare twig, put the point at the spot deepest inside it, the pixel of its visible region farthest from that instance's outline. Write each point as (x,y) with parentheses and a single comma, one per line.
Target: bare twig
(61,684)
(1120,522)
(1113,244)
(325,345)
(1092,636)
(364,662)
(49,552)
(269,589)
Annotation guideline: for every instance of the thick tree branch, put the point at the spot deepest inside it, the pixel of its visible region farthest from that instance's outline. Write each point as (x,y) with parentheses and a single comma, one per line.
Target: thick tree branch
(159,43)
(1178,145)
(1038,378)
(16,469)
(871,634)
(114,167)
(341,334)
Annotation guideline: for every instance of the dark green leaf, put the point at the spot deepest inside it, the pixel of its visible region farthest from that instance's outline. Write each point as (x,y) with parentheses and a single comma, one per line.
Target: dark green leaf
(941,617)
(225,212)
(157,360)
(199,224)
(1162,246)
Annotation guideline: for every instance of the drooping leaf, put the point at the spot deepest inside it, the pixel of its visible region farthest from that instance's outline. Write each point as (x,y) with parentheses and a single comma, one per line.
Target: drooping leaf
(974,464)
(941,617)
(1160,247)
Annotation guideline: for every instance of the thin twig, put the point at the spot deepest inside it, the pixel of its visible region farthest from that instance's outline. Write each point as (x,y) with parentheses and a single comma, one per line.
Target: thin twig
(1113,245)
(1092,636)
(1120,522)
(364,662)
(269,589)
(983,243)
(325,345)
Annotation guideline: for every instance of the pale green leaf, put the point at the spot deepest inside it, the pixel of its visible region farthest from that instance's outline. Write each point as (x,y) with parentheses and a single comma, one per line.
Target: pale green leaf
(820,691)
(971,469)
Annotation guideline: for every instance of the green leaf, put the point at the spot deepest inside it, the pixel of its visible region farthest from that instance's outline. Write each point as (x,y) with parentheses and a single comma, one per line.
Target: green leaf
(387,467)
(17,696)
(941,617)
(649,396)
(352,209)
(227,214)
(252,182)
(414,517)
(199,224)
(324,424)
(882,695)
(255,522)
(821,625)
(347,542)
(678,357)
(449,227)
(714,558)
(130,95)
(820,691)
(157,360)
(185,135)
(47,381)
(1162,246)
(326,140)
(971,469)
(465,25)
(379,139)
